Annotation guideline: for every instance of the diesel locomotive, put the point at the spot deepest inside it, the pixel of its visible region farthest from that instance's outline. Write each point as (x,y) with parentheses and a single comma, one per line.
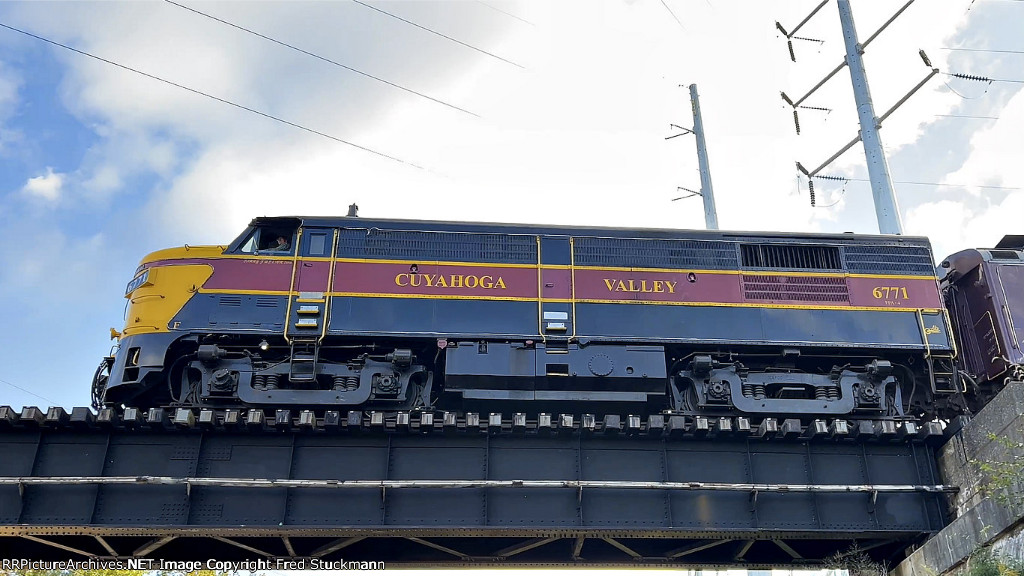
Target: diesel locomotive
(350,313)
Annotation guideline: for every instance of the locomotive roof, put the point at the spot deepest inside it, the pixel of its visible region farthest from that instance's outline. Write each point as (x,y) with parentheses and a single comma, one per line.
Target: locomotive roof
(511,228)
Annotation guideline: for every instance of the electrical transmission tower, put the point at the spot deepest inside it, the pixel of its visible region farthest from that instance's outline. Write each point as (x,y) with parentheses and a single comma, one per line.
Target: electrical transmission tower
(886,207)
(707,193)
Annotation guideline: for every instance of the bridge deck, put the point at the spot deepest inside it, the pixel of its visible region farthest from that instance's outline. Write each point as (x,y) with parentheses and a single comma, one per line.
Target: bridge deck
(72,486)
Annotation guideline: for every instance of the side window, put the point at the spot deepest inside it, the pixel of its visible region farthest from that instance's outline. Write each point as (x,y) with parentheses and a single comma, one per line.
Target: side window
(249,246)
(317,244)
(276,240)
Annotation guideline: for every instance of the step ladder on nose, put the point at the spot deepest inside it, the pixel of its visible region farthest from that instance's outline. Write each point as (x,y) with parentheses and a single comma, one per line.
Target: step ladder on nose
(307,329)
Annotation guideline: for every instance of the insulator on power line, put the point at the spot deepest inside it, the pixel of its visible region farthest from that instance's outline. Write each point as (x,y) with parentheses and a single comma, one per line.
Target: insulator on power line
(796,121)
(792,55)
(810,188)
(971,77)
(833,178)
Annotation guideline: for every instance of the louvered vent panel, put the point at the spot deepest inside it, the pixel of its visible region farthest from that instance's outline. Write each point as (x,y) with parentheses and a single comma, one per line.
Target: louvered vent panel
(913,260)
(230,300)
(266,302)
(762,287)
(791,257)
(450,246)
(652,253)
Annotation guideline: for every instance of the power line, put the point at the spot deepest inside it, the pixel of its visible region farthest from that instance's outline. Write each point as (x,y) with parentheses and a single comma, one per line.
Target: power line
(971,117)
(212,97)
(916,183)
(52,403)
(317,56)
(674,17)
(977,78)
(496,9)
(983,50)
(435,32)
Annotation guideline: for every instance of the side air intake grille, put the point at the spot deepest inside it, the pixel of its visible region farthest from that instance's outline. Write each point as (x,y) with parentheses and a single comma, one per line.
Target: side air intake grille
(450,246)
(791,257)
(230,300)
(915,260)
(762,287)
(1004,254)
(643,253)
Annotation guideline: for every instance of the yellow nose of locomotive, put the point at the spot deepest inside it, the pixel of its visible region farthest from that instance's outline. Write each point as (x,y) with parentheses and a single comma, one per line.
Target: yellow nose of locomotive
(165,281)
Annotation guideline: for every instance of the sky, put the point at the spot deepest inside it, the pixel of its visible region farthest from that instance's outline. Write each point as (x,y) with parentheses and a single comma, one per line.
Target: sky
(531,111)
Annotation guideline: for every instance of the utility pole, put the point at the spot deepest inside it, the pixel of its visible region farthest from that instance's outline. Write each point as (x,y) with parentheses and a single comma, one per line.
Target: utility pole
(886,208)
(706,191)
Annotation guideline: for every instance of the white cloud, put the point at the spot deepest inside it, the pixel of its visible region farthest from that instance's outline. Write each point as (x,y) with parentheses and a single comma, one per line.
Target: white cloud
(980,216)
(47,187)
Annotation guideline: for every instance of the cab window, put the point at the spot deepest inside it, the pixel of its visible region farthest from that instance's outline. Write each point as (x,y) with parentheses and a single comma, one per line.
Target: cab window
(269,240)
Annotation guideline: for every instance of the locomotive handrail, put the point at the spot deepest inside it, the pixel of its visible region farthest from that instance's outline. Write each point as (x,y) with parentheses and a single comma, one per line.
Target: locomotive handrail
(23,481)
(291,284)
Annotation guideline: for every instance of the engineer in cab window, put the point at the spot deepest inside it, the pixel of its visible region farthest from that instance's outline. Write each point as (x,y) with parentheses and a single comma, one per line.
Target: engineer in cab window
(281,244)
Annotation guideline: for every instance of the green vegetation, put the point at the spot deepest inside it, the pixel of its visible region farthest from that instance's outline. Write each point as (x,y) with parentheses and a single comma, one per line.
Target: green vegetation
(857,562)
(984,562)
(1004,478)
